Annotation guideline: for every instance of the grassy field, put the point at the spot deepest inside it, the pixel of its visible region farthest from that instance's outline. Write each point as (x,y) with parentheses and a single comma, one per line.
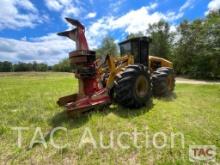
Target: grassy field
(29,100)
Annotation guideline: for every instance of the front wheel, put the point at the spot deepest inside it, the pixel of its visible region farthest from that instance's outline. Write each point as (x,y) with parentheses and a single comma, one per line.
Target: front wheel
(132,88)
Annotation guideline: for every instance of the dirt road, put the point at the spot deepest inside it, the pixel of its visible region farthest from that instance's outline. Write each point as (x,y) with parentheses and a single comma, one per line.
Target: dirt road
(181,80)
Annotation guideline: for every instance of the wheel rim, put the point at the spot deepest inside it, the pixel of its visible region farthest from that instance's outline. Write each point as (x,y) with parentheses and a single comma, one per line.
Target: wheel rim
(141,86)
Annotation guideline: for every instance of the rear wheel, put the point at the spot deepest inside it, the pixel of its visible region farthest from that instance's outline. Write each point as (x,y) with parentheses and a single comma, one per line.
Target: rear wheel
(163,81)
(132,88)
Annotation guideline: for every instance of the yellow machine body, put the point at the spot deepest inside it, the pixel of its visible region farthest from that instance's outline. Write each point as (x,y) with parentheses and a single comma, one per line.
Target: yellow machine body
(156,62)
(115,64)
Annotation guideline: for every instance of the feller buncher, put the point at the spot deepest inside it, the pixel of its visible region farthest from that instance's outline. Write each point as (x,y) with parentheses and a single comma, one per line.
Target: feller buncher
(129,80)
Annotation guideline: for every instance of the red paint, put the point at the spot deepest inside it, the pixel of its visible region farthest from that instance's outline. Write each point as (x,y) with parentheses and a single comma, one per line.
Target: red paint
(90,86)
(95,94)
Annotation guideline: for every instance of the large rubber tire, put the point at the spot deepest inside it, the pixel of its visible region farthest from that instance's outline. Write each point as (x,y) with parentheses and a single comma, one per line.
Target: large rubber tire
(132,87)
(163,81)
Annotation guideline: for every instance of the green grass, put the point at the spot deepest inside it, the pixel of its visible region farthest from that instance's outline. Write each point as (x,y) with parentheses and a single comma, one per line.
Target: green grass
(29,100)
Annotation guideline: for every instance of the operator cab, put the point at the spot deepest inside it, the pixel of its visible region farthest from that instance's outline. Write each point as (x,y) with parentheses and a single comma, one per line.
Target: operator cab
(137,47)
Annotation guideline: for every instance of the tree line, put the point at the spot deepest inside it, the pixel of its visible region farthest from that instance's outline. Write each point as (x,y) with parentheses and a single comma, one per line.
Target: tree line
(7,66)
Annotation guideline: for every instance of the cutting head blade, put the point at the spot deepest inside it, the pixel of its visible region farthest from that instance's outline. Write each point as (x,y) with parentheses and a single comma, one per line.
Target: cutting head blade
(74,22)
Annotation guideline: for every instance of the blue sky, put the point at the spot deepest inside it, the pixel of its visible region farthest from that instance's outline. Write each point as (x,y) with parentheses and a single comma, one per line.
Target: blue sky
(28,27)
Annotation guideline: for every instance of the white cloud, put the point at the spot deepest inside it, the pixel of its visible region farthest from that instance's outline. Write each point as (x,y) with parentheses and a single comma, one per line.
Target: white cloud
(13,17)
(172,16)
(91,15)
(136,20)
(153,6)
(186,5)
(115,5)
(26,4)
(213,5)
(57,5)
(66,7)
(50,49)
(97,31)
(133,21)
(71,11)
(53,5)
(173,28)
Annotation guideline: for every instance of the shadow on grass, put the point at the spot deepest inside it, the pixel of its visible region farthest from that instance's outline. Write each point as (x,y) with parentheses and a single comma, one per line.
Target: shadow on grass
(130,113)
(62,118)
(169,97)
